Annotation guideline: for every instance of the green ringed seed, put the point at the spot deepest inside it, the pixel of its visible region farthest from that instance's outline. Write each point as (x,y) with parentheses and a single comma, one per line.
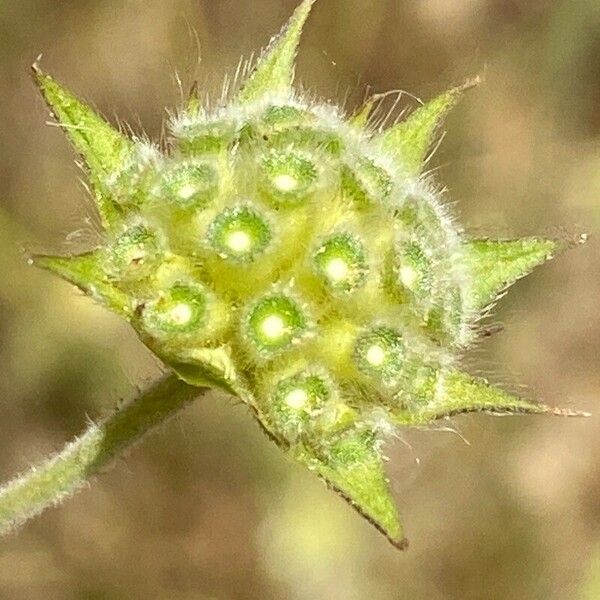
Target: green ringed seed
(180,310)
(380,353)
(207,138)
(239,233)
(340,261)
(135,254)
(287,178)
(297,397)
(191,185)
(275,323)
(413,269)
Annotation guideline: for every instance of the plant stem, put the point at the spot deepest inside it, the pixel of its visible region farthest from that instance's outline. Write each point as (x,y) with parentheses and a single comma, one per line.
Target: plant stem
(63,474)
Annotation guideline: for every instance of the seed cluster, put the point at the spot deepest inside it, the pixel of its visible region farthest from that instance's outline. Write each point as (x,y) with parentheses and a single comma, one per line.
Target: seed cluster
(287,235)
(298,259)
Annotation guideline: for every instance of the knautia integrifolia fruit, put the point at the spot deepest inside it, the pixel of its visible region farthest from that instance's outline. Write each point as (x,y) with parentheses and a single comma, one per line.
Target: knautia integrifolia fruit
(297,259)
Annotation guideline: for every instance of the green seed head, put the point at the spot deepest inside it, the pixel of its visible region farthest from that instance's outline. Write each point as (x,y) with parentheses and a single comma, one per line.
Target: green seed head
(278,232)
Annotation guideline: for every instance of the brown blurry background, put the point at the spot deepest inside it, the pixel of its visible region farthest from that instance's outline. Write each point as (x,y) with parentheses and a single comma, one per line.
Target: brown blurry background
(207,508)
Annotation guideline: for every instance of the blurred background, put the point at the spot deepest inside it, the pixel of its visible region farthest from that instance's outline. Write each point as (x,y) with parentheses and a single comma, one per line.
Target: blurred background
(207,508)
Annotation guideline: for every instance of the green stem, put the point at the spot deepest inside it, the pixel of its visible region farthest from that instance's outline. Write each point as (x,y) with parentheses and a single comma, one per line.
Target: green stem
(60,476)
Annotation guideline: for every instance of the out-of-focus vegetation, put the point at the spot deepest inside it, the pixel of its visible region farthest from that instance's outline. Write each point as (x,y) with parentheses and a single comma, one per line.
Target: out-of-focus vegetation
(208,508)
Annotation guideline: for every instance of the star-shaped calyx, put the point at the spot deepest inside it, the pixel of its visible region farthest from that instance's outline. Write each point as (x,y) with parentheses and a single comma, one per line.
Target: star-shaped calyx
(299,260)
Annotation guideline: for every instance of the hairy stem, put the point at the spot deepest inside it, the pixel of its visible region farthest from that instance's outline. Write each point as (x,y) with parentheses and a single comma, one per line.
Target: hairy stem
(62,475)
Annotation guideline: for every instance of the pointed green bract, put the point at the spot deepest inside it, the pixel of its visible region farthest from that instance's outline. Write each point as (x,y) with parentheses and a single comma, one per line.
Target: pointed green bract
(353,467)
(103,148)
(274,73)
(497,264)
(461,393)
(87,273)
(410,140)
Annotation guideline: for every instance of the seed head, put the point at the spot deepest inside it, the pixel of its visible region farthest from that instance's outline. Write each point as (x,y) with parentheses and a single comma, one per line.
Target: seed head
(301,258)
